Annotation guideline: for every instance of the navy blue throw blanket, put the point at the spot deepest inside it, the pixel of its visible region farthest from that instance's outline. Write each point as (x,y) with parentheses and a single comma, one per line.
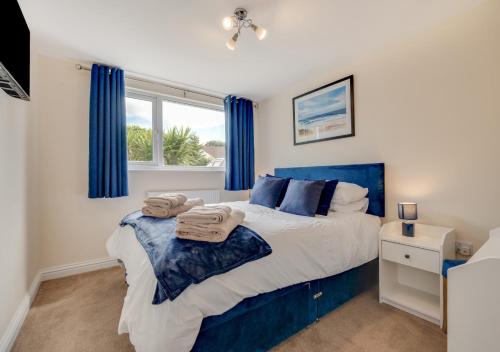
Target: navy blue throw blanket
(178,263)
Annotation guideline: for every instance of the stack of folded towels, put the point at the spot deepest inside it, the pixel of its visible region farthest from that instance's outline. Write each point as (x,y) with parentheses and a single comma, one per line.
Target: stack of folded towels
(208,223)
(167,205)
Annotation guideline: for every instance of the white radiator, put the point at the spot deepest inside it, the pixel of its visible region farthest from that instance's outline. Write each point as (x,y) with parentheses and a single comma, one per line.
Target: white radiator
(208,195)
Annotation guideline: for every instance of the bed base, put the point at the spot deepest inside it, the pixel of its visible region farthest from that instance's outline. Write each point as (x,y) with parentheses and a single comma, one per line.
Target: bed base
(262,322)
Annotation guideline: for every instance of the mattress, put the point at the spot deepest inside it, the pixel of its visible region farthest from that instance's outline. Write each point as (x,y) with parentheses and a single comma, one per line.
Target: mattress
(304,249)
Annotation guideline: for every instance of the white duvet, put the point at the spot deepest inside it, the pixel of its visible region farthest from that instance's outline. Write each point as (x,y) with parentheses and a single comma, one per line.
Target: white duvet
(304,249)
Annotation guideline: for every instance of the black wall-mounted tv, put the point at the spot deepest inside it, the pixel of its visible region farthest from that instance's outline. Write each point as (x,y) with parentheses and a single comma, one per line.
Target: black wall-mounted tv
(14,51)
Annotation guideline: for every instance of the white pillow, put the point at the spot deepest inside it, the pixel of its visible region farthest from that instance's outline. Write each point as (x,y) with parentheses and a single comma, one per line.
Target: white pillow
(346,193)
(360,206)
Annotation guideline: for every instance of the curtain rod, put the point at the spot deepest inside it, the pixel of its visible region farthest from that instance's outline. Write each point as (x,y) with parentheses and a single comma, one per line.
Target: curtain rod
(184,91)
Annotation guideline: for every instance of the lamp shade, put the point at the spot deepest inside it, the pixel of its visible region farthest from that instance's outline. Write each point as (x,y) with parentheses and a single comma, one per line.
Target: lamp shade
(231,43)
(407,211)
(228,23)
(259,31)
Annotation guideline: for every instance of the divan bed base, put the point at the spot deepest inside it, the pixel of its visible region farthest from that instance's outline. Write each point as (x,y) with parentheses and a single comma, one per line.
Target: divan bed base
(261,322)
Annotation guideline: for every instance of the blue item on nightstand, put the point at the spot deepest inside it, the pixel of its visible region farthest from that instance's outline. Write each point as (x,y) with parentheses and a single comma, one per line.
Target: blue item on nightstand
(408,229)
(451,263)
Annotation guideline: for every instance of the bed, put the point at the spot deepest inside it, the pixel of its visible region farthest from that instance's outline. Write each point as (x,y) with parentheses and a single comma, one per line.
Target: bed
(316,265)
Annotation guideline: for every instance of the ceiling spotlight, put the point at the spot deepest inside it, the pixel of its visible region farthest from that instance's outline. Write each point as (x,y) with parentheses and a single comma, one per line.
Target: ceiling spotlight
(259,32)
(228,23)
(231,43)
(238,21)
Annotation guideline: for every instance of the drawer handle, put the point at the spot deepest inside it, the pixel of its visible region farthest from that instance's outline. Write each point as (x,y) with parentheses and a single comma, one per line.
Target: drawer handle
(318,295)
(407,256)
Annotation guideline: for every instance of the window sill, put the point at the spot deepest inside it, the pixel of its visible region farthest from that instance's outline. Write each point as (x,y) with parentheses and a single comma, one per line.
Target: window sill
(135,168)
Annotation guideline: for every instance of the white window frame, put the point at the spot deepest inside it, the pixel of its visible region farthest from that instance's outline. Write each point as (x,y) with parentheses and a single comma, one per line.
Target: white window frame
(158,164)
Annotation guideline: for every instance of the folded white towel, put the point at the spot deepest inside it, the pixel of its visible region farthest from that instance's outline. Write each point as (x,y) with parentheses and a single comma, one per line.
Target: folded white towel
(208,214)
(161,212)
(167,200)
(211,232)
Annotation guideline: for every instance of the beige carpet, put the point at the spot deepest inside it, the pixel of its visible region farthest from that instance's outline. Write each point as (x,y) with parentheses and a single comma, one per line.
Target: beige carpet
(80,313)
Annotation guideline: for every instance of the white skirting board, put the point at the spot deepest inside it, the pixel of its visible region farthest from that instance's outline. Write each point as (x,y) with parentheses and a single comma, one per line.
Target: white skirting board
(15,324)
(10,334)
(57,272)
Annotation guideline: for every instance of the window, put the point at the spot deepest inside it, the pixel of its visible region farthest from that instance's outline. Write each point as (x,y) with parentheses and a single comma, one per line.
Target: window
(164,132)
(139,128)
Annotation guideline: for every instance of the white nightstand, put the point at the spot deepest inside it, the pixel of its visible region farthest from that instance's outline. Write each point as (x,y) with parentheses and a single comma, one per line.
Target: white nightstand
(410,268)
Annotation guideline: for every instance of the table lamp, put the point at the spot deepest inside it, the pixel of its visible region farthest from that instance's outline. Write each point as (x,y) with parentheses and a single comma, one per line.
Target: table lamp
(408,211)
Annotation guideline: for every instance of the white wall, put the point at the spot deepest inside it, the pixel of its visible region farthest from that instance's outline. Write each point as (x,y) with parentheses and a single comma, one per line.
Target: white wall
(430,109)
(74,228)
(19,245)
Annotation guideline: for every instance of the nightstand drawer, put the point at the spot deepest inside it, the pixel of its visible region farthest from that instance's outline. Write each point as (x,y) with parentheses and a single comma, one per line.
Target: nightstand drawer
(419,258)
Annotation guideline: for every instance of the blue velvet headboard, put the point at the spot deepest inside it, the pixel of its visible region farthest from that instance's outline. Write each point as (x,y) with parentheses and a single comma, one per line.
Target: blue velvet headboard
(370,176)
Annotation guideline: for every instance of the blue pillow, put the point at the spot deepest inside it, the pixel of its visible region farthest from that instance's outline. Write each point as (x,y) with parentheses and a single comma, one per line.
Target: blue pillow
(266,191)
(302,197)
(283,191)
(326,197)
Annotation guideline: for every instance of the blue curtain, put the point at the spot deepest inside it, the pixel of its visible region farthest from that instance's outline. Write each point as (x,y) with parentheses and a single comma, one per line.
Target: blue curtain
(107,134)
(239,141)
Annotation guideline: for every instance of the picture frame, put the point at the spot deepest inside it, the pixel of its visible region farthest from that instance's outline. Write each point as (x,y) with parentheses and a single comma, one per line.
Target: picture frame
(324,113)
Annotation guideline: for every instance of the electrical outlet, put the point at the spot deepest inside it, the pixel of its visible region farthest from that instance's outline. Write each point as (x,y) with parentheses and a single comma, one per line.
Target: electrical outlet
(463,248)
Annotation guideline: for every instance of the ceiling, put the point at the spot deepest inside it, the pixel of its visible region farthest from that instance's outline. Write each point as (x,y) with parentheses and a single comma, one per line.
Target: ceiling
(184,42)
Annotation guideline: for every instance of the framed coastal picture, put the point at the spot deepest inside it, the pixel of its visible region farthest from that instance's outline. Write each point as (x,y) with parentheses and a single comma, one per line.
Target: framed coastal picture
(324,113)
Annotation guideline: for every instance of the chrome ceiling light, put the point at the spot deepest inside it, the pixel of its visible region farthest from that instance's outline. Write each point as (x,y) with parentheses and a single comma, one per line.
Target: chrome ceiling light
(238,21)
